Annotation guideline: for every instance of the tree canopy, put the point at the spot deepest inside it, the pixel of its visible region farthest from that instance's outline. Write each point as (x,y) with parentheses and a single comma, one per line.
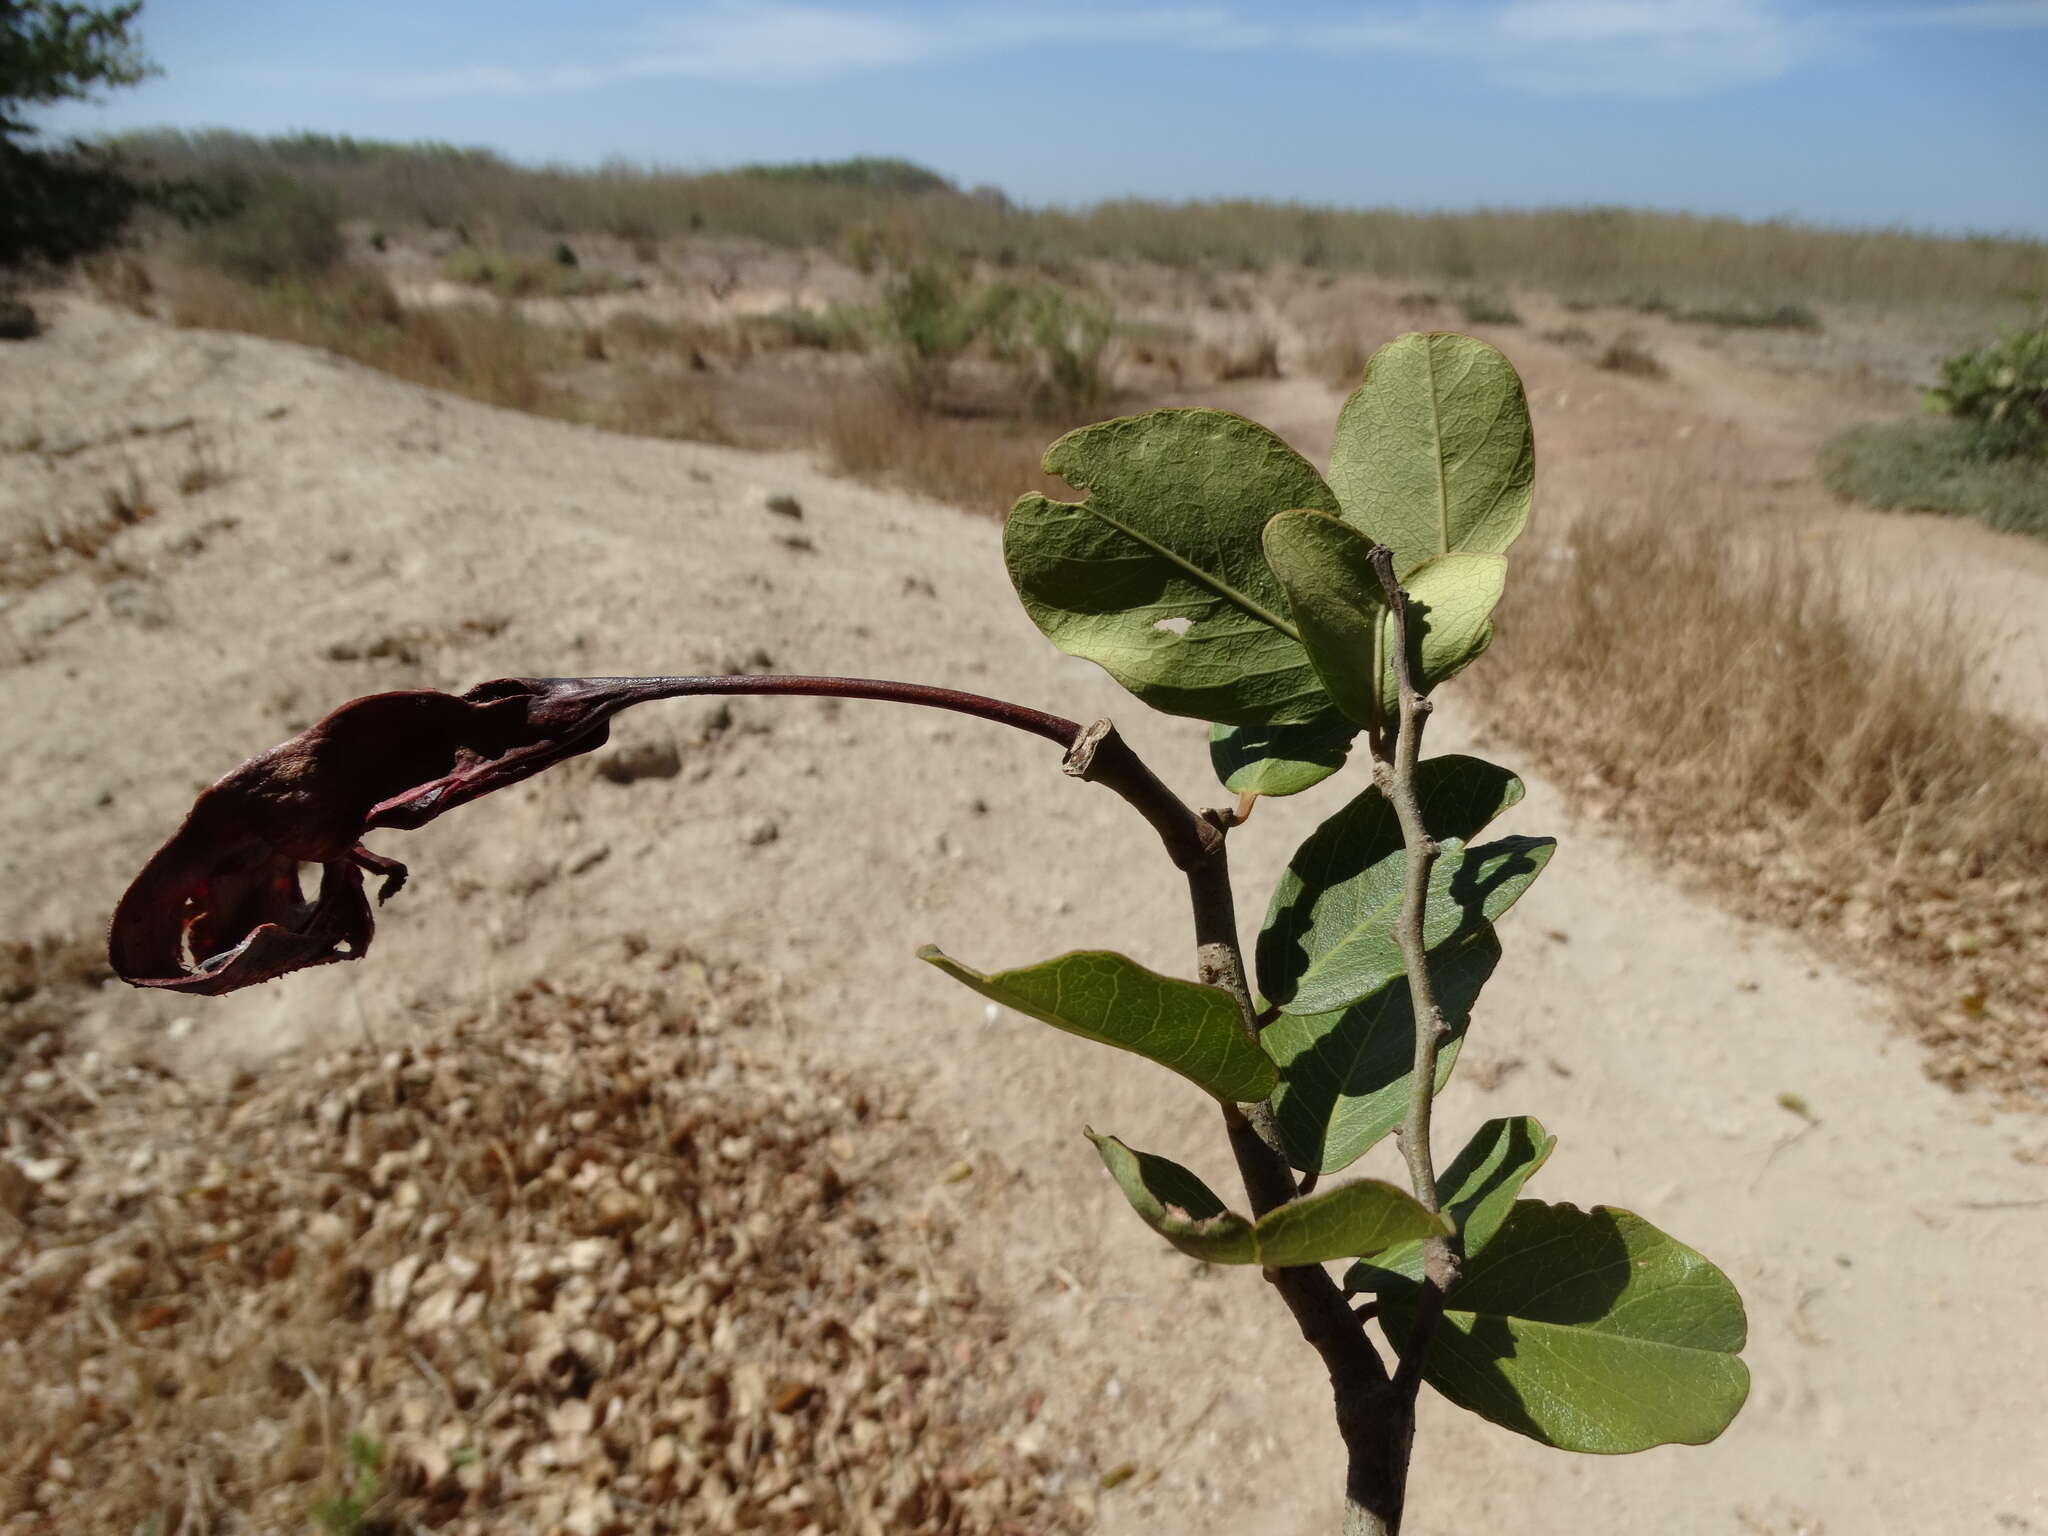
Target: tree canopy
(58,201)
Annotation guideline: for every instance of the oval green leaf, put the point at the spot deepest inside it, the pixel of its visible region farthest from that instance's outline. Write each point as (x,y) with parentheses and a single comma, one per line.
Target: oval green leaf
(1159,577)
(1451,598)
(1589,1331)
(1194,1030)
(1341,878)
(1356,1219)
(1350,951)
(1477,1192)
(1434,451)
(1338,605)
(1280,759)
(1344,1075)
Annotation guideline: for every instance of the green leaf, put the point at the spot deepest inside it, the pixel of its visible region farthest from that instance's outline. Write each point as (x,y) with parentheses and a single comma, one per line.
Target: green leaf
(1169,536)
(1344,1075)
(1346,879)
(1338,605)
(1195,1030)
(1589,1331)
(1477,1191)
(1456,594)
(1352,952)
(1433,450)
(1354,1219)
(1280,759)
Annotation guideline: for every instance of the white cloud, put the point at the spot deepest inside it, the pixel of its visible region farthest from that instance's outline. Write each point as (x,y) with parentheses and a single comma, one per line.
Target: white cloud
(1563,47)
(786,42)
(1649,47)
(735,40)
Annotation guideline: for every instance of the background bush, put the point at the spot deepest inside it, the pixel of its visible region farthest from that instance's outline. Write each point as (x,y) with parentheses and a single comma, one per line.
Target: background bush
(271,228)
(58,202)
(2001,392)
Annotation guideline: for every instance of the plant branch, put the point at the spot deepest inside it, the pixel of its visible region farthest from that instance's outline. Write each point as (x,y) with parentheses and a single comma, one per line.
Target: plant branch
(1001,711)
(1370,1411)
(1397,782)
(1099,755)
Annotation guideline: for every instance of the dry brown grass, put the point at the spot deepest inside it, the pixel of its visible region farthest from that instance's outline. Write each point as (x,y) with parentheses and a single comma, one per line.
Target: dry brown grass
(673,401)
(983,464)
(1608,251)
(594,1264)
(487,352)
(1829,773)
(1341,363)
(66,538)
(1254,355)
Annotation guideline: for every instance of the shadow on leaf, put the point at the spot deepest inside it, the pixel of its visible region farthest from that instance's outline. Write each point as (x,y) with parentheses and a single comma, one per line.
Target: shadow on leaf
(1344,1075)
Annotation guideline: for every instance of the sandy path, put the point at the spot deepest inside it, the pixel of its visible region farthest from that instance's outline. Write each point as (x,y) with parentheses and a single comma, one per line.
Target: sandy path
(1892,1269)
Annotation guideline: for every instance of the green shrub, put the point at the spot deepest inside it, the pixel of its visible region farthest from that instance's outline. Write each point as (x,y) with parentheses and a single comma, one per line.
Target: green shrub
(1057,342)
(59,201)
(930,318)
(276,229)
(865,172)
(1937,466)
(930,313)
(2001,392)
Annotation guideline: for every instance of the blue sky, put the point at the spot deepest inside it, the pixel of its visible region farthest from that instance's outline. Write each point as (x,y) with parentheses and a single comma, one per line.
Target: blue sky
(1932,115)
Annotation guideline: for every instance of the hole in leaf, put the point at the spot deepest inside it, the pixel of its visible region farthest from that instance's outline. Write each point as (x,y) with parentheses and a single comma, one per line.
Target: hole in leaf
(1178,625)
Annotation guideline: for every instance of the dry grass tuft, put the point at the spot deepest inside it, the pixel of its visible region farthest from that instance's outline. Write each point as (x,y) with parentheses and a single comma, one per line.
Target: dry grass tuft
(1626,354)
(1739,714)
(67,539)
(592,1265)
(673,402)
(983,464)
(1341,363)
(1254,355)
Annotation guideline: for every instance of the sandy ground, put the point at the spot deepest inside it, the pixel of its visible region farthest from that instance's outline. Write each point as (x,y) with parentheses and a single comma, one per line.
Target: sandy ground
(370,535)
